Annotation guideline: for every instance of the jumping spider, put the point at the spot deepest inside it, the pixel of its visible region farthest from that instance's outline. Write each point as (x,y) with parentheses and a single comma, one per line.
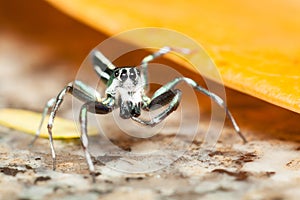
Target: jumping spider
(125,89)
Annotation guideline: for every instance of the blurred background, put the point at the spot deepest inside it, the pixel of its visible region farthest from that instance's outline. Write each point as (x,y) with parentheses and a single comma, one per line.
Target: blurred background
(40,51)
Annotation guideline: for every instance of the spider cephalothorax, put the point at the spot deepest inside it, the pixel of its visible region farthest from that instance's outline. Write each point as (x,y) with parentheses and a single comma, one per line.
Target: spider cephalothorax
(125,89)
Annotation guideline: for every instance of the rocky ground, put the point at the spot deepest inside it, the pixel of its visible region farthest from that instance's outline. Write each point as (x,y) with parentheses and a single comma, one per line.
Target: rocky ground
(268,169)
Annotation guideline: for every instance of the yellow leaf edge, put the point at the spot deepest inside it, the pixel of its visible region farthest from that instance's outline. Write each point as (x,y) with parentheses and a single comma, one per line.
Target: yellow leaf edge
(28,121)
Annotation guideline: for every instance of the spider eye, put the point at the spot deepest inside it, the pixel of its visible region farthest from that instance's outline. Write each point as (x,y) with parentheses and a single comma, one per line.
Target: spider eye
(116,73)
(124,75)
(138,72)
(132,74)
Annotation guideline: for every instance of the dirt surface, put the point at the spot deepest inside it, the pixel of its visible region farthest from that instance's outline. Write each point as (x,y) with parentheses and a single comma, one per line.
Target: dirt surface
(40,53)
(258,170)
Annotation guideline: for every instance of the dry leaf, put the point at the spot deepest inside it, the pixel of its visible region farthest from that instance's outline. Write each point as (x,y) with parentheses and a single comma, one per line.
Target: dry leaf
(28,121)
(256,45)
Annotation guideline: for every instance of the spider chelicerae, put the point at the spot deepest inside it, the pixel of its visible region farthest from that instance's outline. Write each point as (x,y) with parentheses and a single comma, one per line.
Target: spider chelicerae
(125,89)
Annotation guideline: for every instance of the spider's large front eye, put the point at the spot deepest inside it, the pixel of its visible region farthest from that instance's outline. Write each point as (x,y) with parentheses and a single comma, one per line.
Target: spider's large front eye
(124,75)
(132,74)
(116,73)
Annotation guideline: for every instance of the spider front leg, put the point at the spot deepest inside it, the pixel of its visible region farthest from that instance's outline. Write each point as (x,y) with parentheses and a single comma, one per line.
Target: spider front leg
(171,97)
(168,95)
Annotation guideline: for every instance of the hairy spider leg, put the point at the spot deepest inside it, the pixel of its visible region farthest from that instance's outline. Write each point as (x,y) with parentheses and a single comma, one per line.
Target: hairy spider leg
(159,53)
(169,86)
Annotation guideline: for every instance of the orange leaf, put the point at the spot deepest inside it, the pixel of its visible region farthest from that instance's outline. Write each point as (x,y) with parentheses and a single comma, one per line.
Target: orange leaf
(256,45)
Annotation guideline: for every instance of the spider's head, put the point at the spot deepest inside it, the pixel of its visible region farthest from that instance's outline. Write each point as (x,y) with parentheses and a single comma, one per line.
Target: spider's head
(128,77)
(127,86)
